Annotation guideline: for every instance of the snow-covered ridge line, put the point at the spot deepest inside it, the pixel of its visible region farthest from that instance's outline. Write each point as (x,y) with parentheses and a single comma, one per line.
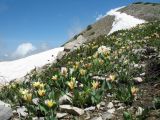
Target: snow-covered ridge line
(19,68)
(122,20)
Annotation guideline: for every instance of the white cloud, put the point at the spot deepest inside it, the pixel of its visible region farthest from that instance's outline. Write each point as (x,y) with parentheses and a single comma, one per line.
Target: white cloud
(23,50)
(74,29)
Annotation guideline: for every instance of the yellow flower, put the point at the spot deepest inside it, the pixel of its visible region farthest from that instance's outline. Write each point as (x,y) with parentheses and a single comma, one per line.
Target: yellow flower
(24,91)
(134,90)
(76,66)
(64,71)
(82,72)
(41,85)
(101,62)
(72,83)
(89,57)
(55,77)
(36,84)
(112,77)
(94,47)
(27,97)
(81,85)
(41,92)
(50,103)
(95,84)
(88,65)
(13,85)
(95,55)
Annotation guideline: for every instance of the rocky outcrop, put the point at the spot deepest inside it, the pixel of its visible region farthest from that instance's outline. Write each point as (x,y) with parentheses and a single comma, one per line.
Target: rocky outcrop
(145,11)
(71,46)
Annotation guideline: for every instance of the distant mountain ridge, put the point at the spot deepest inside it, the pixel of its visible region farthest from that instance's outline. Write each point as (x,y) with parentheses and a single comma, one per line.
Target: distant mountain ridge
(145,11)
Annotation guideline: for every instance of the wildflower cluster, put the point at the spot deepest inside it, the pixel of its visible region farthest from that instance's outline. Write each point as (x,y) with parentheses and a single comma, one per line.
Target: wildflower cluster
(112,58)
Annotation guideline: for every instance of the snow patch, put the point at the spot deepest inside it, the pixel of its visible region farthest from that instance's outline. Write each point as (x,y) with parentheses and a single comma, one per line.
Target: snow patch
(123,21)
(100,16)
(12,70)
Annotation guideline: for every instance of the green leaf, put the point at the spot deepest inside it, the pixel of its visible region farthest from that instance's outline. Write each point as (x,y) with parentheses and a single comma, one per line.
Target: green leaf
(43,109)
(127,116)
(109,86)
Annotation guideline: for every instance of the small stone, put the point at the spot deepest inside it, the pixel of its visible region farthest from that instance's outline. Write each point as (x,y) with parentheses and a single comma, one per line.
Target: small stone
(120,104)
(139,111)
(109,95)
(136,66)
(115,101)
(103,104)
(65,99)
(22,111)
(61,115)
(97,118)
(142,74)
(71,110)
(98,106)
(120,108)
(111,110)
(138,79)
(90,108)
(35,101)
(88,116)
(36,118)
(107,116)
(110,105)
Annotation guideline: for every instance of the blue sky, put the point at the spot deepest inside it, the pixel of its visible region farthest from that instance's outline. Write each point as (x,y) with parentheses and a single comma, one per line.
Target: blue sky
(44,24)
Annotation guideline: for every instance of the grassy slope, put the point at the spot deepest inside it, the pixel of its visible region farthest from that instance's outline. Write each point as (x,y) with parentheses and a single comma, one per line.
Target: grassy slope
(120,62)
(145,11)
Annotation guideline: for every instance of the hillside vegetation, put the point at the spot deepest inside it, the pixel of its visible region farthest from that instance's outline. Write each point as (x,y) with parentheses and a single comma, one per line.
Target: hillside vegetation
(122,67)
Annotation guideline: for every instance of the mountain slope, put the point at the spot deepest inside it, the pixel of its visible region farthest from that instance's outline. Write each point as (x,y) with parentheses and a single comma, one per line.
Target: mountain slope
(101,27)
(113,76)
(121,70)
(144,11)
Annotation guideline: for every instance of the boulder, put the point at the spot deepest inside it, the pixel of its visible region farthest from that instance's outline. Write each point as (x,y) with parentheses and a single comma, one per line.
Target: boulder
(72,110)
(5,111)
(61,115)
